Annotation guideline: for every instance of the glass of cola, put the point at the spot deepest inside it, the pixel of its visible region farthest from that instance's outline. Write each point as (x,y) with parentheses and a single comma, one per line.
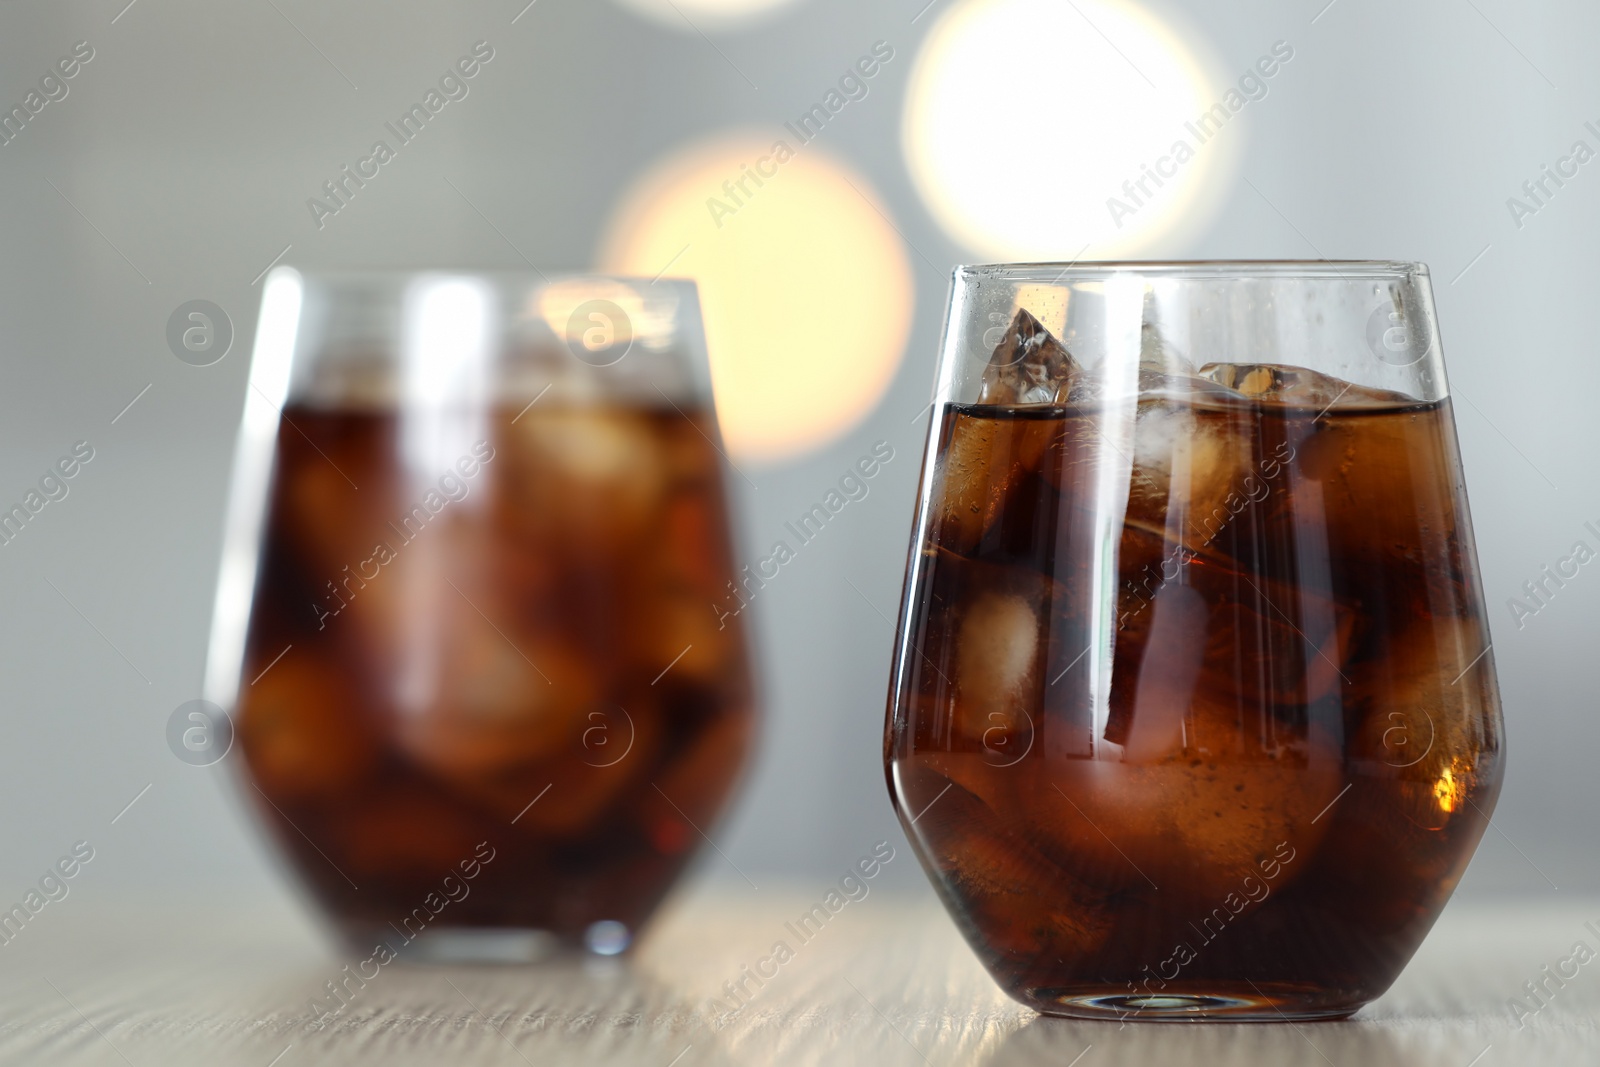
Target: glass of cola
(464,630)
(1193,712)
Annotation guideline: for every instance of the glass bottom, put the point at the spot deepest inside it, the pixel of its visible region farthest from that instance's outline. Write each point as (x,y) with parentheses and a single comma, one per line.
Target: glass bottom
(476,945)
(1270,1004)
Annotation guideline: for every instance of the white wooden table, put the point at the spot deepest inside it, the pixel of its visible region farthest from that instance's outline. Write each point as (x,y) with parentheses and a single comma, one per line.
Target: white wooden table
(887,982)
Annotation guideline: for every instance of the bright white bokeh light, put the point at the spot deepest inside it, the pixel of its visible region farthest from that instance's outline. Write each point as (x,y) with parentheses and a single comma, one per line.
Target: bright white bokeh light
(1023,117)
(689,15)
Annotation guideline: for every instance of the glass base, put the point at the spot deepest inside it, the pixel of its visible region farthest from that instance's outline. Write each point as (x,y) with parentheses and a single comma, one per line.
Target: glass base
(476,945)
(1269,1004)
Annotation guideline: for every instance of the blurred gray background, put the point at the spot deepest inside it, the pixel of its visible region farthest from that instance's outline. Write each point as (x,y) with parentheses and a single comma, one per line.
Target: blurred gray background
(179,164)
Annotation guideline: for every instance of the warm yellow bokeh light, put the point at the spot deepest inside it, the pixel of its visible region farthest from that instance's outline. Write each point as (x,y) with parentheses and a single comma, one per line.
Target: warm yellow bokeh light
(1024,117)
(690,15)
(805,286)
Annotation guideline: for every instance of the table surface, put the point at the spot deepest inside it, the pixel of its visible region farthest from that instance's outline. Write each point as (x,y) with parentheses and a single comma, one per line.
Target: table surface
(887,982)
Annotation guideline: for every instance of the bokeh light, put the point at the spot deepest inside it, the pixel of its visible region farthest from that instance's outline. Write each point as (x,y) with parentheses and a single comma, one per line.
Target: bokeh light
(1024,117)
(805,286)
(689,15)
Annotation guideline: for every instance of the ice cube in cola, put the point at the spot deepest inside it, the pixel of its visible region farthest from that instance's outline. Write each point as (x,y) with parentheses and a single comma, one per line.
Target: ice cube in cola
(1250,770)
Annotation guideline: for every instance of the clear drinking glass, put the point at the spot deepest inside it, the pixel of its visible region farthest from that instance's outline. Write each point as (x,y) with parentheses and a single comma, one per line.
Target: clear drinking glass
(1193,712)
(464,626)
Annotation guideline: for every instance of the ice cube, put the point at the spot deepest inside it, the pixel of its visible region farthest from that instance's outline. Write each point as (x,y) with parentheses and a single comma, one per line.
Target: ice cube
(984,459)
(613,451)
(678,637)
(1156,355)
(615,749)
(478,706)
(992,631)
(1390,493)
(589,481)
(997,686)
(499,705)
(1199,812)
(303,729)
(1190,464)
(335,529)
(1028,366)
(1232,814)
(1010,898)
(370,564)
(1210,633)
(1188,448)
(1429,710)
(1426,754)
(1214,769)
(997,649)
(674,602)
(1296,385)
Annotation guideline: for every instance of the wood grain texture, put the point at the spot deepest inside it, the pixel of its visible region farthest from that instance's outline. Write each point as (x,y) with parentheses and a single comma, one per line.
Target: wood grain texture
(887,982)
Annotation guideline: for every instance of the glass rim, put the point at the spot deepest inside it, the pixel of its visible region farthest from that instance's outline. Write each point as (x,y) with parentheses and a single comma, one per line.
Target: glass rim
(377,273)
(1240,269)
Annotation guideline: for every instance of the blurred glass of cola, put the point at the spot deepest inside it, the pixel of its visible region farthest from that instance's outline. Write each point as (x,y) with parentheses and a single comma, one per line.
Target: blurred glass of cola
(482,699)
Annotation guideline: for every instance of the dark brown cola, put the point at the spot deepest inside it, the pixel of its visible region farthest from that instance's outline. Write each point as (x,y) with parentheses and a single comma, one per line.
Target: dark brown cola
(507,664)
(1195,710)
